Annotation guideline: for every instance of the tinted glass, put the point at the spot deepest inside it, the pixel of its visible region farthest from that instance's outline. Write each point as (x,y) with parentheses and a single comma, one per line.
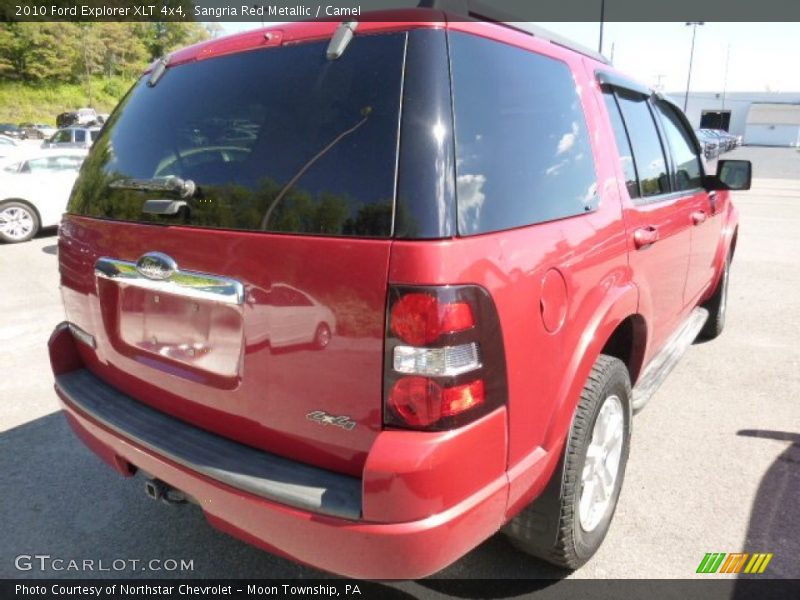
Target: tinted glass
(688,172)
(623,145)
(647,152)
(279,139)
(80,135)
(522,148)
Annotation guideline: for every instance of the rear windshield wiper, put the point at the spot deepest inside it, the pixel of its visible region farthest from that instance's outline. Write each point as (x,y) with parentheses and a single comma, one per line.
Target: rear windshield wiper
(185,188)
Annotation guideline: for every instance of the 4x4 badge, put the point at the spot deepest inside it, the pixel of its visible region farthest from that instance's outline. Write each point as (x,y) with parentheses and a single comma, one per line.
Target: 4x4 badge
(155,265)
(323,418)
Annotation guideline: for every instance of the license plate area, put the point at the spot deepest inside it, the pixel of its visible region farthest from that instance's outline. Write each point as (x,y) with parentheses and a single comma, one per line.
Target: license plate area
(186,323)
(195,333)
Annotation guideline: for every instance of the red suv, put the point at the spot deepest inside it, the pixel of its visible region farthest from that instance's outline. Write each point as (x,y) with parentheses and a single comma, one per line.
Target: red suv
(370,292)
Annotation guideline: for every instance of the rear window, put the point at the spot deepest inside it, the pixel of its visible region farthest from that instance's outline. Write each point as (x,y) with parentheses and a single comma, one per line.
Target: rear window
(278,139)
(523,153)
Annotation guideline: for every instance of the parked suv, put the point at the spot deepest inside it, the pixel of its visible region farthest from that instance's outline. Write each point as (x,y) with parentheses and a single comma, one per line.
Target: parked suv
(73,137)
(514,241)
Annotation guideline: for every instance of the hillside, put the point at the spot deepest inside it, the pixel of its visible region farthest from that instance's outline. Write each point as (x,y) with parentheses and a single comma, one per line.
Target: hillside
(22,102)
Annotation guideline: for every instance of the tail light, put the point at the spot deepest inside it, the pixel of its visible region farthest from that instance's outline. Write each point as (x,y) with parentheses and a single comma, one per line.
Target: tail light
(445,362)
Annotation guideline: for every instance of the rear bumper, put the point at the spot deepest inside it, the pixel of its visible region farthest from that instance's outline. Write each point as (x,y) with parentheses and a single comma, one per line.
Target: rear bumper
(395,484)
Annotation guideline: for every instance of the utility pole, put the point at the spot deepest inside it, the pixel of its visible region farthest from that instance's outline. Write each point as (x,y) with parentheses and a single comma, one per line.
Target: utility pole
(725,81)
(694,25)
(84,29)
(602,19)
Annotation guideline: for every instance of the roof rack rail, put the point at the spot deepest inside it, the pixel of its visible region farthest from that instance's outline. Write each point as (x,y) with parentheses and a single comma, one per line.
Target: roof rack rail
(484,10)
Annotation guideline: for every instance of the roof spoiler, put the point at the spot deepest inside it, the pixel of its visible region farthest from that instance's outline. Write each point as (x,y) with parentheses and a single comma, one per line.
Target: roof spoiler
(486,10)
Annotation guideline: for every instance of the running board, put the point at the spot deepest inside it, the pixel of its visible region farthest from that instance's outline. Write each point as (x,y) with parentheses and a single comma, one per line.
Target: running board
(662,363)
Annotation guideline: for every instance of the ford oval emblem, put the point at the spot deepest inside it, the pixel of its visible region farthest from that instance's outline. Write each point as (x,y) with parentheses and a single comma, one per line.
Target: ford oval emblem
(155,265)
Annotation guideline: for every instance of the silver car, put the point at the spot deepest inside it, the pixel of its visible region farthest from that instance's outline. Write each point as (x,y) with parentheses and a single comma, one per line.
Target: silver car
(73,137)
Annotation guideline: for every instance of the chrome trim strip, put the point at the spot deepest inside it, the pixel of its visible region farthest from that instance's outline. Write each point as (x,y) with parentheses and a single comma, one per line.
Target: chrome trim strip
(189,284)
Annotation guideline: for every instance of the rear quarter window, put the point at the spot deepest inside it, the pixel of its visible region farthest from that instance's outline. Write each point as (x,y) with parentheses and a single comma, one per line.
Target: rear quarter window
(278,139)
(523,153)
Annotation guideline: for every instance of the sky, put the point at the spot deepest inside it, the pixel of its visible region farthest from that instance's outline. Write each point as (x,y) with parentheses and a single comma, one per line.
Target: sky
(759,56)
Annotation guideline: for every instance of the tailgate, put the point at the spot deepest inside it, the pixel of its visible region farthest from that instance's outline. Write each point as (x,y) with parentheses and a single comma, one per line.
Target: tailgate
(253,367)
(228,239)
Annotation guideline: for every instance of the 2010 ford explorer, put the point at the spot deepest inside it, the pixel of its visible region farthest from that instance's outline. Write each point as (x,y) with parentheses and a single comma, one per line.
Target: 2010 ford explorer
(371,292)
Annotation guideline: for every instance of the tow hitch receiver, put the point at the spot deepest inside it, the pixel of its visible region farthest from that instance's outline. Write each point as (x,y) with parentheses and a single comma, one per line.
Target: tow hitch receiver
(158,490)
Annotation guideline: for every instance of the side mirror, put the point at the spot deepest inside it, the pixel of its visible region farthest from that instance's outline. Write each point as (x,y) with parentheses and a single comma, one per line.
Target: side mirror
(731,175)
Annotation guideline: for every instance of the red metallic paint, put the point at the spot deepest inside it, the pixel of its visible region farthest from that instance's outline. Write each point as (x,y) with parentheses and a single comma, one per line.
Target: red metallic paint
(410,475)
(267,406)
(428,497)
(361,549)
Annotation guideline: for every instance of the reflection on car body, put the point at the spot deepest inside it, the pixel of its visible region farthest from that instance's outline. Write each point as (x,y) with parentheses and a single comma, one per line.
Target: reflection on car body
(284,316)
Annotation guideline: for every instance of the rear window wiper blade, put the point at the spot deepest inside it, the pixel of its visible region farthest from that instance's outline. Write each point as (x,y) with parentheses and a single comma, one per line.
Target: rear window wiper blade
(185,188)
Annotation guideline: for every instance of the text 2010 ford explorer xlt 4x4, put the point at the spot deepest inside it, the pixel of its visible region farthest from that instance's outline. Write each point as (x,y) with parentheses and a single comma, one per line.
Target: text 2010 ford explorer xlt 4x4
(369,293)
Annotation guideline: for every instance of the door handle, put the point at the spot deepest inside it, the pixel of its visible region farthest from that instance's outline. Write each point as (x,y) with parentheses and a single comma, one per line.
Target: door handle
(699,216)
(645,236)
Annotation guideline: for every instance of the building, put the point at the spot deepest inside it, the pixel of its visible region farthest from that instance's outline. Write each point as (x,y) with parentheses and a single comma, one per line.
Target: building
(761,118)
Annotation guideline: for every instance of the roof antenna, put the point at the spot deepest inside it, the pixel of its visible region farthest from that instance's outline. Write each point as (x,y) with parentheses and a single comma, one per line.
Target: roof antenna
(158,71)
(341,39)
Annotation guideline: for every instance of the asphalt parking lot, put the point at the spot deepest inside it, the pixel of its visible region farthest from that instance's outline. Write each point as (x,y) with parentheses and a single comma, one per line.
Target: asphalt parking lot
(714,466)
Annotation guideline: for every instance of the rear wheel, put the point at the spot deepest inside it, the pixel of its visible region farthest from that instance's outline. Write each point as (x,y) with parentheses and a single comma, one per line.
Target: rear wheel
(18,222)
(581,499)
(322,337)
(717,306)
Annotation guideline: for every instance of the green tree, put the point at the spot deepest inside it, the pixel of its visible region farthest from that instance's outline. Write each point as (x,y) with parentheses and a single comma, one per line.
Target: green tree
(39,51)
(163,37)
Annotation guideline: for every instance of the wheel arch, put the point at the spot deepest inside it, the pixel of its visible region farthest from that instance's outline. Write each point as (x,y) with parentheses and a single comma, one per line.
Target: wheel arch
(628,342)
(615,323)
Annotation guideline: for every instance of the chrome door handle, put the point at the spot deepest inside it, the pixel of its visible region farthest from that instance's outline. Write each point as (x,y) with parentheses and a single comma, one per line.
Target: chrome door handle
(644,237)
(699,217)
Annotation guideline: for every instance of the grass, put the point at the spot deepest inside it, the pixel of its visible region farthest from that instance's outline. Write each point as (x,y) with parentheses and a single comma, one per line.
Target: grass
(40,103)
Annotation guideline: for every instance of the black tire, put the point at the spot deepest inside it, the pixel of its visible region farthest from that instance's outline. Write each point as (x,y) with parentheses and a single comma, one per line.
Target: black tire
(717,306)
(322,337)
(18,208)
(551,528)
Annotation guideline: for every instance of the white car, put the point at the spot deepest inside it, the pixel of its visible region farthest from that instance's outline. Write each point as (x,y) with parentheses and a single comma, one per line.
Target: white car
(284,316)
(34,190)
(9,147)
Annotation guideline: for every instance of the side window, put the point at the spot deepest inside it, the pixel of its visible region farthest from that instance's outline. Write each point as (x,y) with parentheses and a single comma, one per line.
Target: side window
(688,170)
(65,163)
(623,145)
(80,135)
(648,155)
(37,165)
(61,136)
(523,153)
